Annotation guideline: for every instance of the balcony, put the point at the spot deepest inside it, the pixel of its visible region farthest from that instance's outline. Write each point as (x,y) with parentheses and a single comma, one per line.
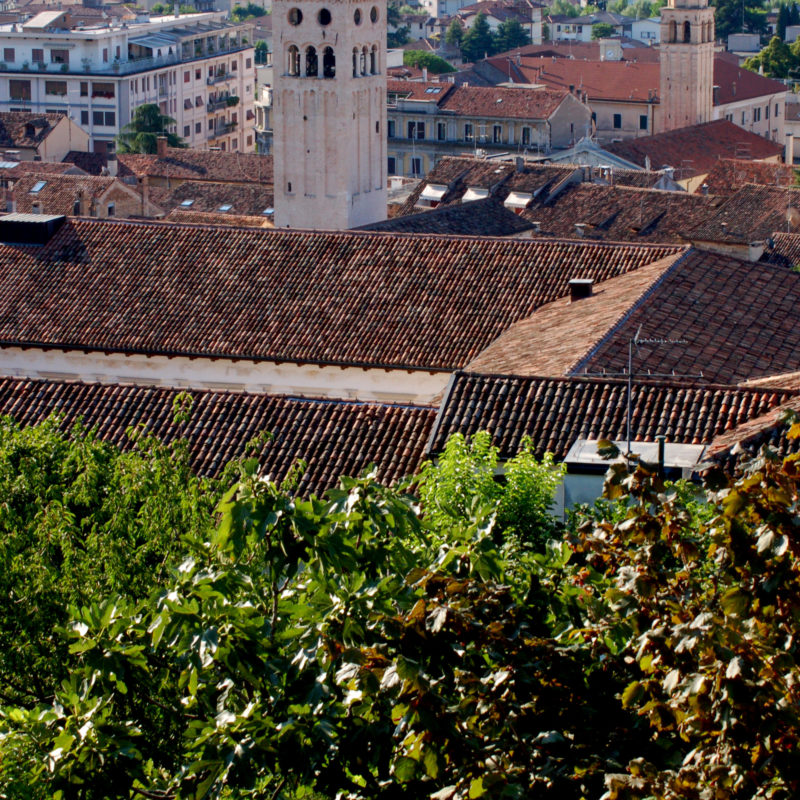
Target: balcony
(221,102)
(220,78)
(222,130)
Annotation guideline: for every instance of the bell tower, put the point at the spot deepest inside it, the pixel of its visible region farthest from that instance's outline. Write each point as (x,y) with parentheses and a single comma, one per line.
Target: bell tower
(329,106)
(687,64)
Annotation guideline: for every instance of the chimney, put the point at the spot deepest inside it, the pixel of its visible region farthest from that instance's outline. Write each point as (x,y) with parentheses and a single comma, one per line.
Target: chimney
(83,199)
(144,185)
(519,163)
(161,146)
(425,74)
(704,189)
(537,226)
(724,228)
(580,288)
(580,227)
(788,156)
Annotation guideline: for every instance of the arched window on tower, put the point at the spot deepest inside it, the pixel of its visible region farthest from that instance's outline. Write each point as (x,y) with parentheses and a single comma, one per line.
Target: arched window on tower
(364,61)
(311,62)
(355,62)
(672,36)
(293,61)
(328,63)
(687,31)
(373,60)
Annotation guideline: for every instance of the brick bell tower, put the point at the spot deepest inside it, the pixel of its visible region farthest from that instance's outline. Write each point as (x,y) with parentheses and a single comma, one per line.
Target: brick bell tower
(329,106)
(687,64)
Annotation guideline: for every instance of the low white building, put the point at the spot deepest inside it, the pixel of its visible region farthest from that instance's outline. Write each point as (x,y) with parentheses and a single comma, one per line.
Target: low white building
(198,68)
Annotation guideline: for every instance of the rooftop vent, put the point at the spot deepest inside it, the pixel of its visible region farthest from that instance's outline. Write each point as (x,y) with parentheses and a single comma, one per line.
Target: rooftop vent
(537,226)
(580,288)
(580,228)
(28,228)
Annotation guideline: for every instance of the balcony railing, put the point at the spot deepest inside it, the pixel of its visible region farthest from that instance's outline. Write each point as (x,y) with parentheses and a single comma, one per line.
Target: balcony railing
(222,130)
(223,76)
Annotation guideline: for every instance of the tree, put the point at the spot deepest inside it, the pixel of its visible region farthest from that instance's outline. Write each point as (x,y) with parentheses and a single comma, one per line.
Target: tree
(455,33)
(510,35)
(602,30)
(783,21)
(732,16)
(776,59)
(250,11)
(141,134)
(261,52)
(478,41)
(422,59)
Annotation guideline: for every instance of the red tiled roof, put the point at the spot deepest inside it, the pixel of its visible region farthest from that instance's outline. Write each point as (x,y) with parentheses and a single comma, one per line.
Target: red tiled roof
(60,192)
(554,412)
(249,199)
(752,214)
(204,218)
(23,129)
(426,302)
(736,83)
(505,103)
(43,168)
(334,438)
(419,90)
(730,174)
(785,250)
(696,149)
(632,50)
(90,163)
(198,165)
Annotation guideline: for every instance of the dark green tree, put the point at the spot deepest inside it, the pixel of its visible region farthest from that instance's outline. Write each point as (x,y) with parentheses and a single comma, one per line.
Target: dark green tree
(602,30)
(455,33)
(141,134)
(478,41)
(776,59)
(783,21)
(510,35)
(261,52)
(423,59)
(250,11)
(733,16)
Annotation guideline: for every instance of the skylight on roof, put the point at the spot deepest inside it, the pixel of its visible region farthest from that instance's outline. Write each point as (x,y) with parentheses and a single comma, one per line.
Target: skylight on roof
(8,164)
(268,212)
(433,90)
(187,203)
(225,207)
(38,186)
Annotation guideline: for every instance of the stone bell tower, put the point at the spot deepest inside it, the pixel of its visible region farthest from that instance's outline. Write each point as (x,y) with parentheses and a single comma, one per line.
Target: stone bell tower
(687,64)
(329,112)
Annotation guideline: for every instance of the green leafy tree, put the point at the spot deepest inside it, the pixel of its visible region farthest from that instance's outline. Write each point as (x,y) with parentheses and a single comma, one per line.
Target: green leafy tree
(776,59)
(510,35)
(455,33)
(160,9)
(261,52)
(783,21)
(250,11)
(733,16)
(423,59)
(141,134)
(602,30)
(478,41)
(566,9)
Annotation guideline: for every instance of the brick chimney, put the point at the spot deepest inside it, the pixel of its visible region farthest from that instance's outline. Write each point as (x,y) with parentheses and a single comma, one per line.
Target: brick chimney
(579,288)
(161,146)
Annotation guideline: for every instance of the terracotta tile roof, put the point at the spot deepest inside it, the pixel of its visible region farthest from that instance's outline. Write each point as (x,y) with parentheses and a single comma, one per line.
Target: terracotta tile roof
(559,334)
(696,149)
(736,83)
(90,163)
(503,103)
(198,165)
(738,319)
(783,380)
(632,50)
(752,214)
(178,215)
(488,217)
(785,250)
(335,438)
(248,199)
(23,129)
(427,302)
(555,412)
(59,193)
(43,168)
(730,174)
(498,10)
(621,214)
(419,90)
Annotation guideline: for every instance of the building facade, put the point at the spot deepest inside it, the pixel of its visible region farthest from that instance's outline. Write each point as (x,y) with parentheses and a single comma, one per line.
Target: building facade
(329,113)
(198,68)
(687,64)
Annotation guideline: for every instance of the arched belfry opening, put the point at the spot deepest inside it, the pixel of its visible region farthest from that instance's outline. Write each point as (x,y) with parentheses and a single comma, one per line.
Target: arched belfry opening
(687,32)
(312,67)
(328,63)
(293,61)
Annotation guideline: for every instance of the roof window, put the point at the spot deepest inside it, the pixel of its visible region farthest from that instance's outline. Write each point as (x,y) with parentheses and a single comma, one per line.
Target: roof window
(225,207)
(38,186)
(187,203)
(474,193)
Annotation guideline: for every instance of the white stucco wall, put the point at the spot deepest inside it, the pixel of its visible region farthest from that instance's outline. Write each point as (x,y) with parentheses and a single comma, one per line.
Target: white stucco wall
(302,380)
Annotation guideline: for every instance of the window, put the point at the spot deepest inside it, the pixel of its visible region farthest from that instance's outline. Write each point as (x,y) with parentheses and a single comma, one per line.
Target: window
(469,135)
(497,134)
(37,56)
(187,76)
(76,208)
(311,62)
(729,117)
(187,131)
(642,122)
(416,130)
(328,64)
(249,141)
(38,186)
(104,118)
(293,61)
(777,111)
(59,56)
(441,131)
(105,55)
(392,166)
(84,88)
(248,63)
(526,136)
(9,54)
(756,115)
(234,66)
(104,90)
(55,87)
(225,208)
(117,53)
(617,121)
(84,117)
(197,74)
(111,209)
(744,117)
(198,127)
(766,111)
(416,166)
(391,125)
(187,203)
(373,60)
(19,90)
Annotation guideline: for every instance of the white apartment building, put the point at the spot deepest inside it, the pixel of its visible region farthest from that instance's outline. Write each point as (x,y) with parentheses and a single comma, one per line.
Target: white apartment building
(198,68)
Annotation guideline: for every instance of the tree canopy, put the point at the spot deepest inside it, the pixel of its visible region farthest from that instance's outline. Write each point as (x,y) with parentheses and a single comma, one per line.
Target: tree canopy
(777,59)
(141,134)
(733,16)
(431,62)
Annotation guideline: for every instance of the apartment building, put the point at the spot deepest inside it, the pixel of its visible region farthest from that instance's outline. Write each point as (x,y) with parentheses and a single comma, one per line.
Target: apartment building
(198,68)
